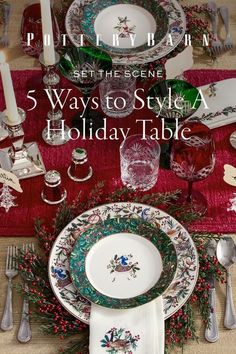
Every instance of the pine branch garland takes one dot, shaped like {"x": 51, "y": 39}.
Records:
{"x": 78, "y": 347}
{"x": 57, "y": 320}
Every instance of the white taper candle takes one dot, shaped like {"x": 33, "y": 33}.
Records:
{"x": 9, "y": 94}
{"x": 48, "y": 40}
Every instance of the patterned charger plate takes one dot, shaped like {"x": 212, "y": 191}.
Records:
{"x": 123, "y": 263}
{"x": 187, "y": 259}
{"x": 176, "y": 27}
{"x": 120, "y": 21}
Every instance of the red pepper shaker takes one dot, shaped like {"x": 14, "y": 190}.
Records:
{"x": 53, "y": 192}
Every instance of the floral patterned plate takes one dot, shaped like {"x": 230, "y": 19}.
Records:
{"x": 175, "y": 31}
{"x": 187, "y": 258}
{"x": 122, "y": 26}
{"x": 122, "y": 263}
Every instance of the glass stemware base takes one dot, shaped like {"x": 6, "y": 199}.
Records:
{"x": 89, "y": 124}
{"x": 197, "y": 203}
{"x": 56, "y": 139}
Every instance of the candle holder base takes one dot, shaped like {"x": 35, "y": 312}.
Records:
{"x": 24, "y": 164}
{"x": 51, "y": 81}
{"x": 3, "y": 131}
{"x": 56, "y": 139}
{"x": 93, "y": 122}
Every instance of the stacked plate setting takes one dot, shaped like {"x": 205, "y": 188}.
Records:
{"x": 146, "y": 30}
{"x": 123, "y": 255}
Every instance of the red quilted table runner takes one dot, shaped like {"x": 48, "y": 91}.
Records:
{"x": 104, "y": 158}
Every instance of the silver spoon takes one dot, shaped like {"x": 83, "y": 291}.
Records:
{"x": 212, "y": 332}
{"x": 233, "y": 140}
{"x": 4, "y": 40}
{"x": 226, "y": 254}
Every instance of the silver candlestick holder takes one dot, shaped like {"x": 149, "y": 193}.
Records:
{"x": 24, "y": 160}
{"x": 3, "y": 130}
{"x": 56, "y": 132}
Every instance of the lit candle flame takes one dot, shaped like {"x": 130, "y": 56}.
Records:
{"x": 2, "y": 58}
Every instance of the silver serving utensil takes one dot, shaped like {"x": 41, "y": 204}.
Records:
{"x": 11, "y": 272}
{"x": 212, "y": 332}
{"x": 226, "y": 254}
{"x": 233, "y": 140}
{"x": 216, "y": 44}
{"x": 24, "y": 333}
{"x": 224, "y": 12}
{"x": 4, "y": 40}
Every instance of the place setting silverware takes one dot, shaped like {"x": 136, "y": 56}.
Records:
{"x": 216, "y": 44}
{"x": 225, "y": 251}
{"x": 10, "y": 272}
{"x": 24, "y": 334}
{"x": 4, "y": 39}
{"x": 224, "y": 12}
{"x": 217, "y": 47}
{"x": 212, "y": 331}
{"x": 226, "y": 254}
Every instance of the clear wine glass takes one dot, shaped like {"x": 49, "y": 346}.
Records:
{"x": 193, "y": 159}
{"x": 139, "y": 162}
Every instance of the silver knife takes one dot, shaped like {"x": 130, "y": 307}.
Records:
{"x": 212, "y": 331}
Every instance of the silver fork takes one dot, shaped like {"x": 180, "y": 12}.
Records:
{"x": 11, "y": 272}
{"x": 4, "y": 40}
{"x": 224, "y": 12}
{"x": 24, "y": 333}
{"x": 216, "y": 44}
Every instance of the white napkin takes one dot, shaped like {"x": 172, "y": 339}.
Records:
{"x": 139, "y": 330}
{"x": 180, "y": 63}
{"x": 220, "y": 99}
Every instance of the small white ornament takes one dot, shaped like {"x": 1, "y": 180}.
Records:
{"x": 230, "y": 175}
{"x": 230, "y": 178}
{"x": 233, "y": 204}
{"x": 6, "y": 198}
